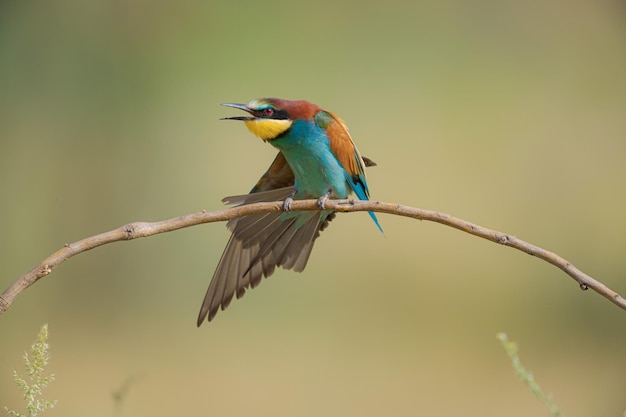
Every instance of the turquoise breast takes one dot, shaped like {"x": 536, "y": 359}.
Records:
{"x": 316, "y": 169}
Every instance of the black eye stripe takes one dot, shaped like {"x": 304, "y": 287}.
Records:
{"x": 280, "y": 115}
{"x": 276, "y": 115}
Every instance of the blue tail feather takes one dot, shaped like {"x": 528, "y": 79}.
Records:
{"x": 361, "y": 193}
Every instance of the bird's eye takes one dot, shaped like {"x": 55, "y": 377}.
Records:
{"x": 268, "y": 111}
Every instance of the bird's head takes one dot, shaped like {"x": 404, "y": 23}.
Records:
{"x": 271, "y": 117}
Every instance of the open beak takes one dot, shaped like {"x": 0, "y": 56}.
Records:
{"x": 240, "y": 107}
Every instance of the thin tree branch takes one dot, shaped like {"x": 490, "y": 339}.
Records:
{"x": 144, "y": 229}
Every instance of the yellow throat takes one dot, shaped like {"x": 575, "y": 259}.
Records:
{"x": 268, "y": 129}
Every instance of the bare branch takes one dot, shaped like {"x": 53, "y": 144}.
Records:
{"x": 144, "y": 229}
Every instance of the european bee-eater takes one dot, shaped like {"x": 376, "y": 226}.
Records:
{"x": 316, "y": 159}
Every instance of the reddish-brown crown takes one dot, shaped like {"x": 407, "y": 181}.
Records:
{"x": 297, "y": 109}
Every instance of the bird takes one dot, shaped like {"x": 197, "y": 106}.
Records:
{"x": 316, "y": 159}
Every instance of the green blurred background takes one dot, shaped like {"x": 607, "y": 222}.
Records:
{"x": 508, "y": 114}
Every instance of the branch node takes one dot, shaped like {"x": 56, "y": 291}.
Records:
{"x": 129, "y": 230}
{"x": 583, "y": 286}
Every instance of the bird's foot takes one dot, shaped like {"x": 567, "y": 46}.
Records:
{"x": 287, "y": 203}
{"x": 322, "y": 200}
{"x": 289, "y": 200}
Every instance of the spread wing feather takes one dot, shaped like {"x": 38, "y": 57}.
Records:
{"x": 259, "y": 243}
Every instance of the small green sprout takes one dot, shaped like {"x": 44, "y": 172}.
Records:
{"x": 511, "y": 350}
{"x": 34, "y": 382}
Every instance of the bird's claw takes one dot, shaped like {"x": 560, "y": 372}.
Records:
{"x": 322, "y": 200}
{"x": 287, "y": 203}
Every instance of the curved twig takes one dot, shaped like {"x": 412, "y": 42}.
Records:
{"x": 144, "y": 229}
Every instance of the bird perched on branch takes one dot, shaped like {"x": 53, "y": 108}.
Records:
{"x": 316, "y": 160}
